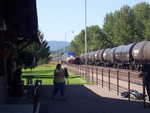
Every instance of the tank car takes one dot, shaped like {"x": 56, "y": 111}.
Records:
{"x": 70, "y": 59}
{"x": 123, "y": 55}
{"x": 108, "y": 57}
{"x": 141, "y": 54}
{"x": 96, "y": 57}
{"x": 105, "y": 56}
{"x": 99, "y": 57}
{"x": 86, "y": 58}
{"x": 92, "y": 58}
{"x": 118, "y": 54}
{"x": 82, "y": 59}
{"x": 77, "y": 61}
{"x": 89, "y": 58}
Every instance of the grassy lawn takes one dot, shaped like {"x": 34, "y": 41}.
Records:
{"x": 45, "y": 73}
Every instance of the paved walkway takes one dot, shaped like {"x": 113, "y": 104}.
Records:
{"x": 80, "y": 99}
{"x": 15, "y": 108}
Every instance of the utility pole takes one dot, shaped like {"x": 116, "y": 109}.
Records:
{"x": 85, "y": 30}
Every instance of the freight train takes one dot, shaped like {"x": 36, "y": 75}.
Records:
{"x": 133, "y": 56}
{"x": 71, "y": 58}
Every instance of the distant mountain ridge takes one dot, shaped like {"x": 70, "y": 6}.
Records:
{"x": 56, "y": 45}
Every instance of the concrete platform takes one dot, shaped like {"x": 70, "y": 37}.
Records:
{"x": 12, "y": 108}
{"x": 83, "y": 99}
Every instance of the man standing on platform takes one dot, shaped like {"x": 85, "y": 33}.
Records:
{"x": 59, "y": 81}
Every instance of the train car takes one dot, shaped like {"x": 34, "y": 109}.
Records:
{"x": 96, "y": 57}
{"x": 123, "y": 55}
{"x": 68, "y": 57}
{"x": 141, "y": 54}
{"x": 86, "y": 58}
{"x": 82, "y": 59}
{"x": 77, "y": 60}
{"x": 105, "y": 57}
{"x": 111, "y": 55}
{"x": 89, "y": 58}
{"x": 118, "y": 54}
{"x": 92, "y": 58}
{"x": 99, "y": 57}
{"x": 108, "y": 56}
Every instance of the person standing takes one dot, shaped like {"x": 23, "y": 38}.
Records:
{"x": 59, "y": 81}
{"x": 146, "y": 74}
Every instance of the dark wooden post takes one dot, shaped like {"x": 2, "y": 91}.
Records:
{"x": 129, "y": 85}
{"x": 102, "y": 78}
{"x": 109, "y": 78}
{"x": 85, "y": 69}
{"x": 97, "y": 76}
{"x": 117, "y": 82}
{"x": 84, "y": 72}
{"x": 92, "y": 74}
{"x": 89, "y": 73}
{"x": 80, "y": 70}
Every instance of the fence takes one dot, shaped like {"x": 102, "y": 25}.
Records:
{"x": 116, "y": 80}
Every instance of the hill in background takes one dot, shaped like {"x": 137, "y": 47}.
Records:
{"x": 57, "y": 45}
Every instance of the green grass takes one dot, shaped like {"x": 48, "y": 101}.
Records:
{"x": 45, "y": 74}
{"x": 41, "y": 70}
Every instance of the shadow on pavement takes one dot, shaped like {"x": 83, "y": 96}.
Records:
{"x": 82, "y": 100}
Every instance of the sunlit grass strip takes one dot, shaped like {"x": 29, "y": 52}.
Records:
{"x": 41, "y": 70}
{"x": 45, "y": 73}
{"x": 72, "y": 81}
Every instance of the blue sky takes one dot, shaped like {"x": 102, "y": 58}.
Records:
{"x": 60, "y": 17}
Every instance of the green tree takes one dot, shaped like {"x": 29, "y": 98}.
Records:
{"x": 142, "y": 20}
{"x": 124, "y": 26}
{"x": 119, "y": 26}
{"x": 34, "y": 54}
{"x": 96, "y": 39}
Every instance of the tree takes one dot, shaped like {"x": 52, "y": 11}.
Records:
{"x": 124, "y": 26}
{"x": 34, "y": 54}
{"x": 142, "y": 21}
{"x": 96, "y": 39}
{"x": 128, "y": 25}
{"x": 120, "y": 26}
